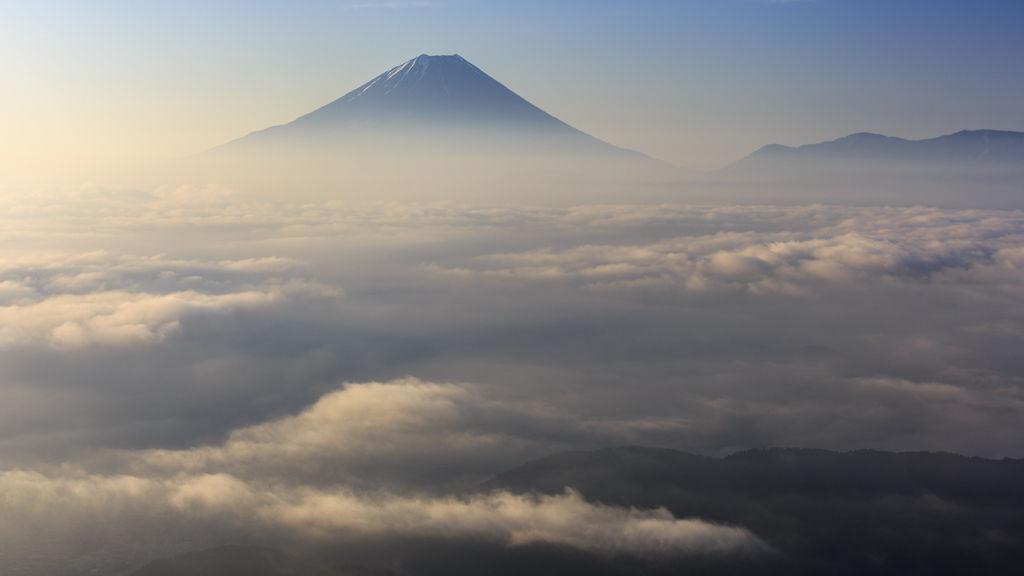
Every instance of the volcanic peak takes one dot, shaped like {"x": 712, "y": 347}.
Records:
{"x": 433, "y": 89}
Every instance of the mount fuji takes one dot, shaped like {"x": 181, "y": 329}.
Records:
{"x": 435, "y": 128}
{"x": 427, "y": 102}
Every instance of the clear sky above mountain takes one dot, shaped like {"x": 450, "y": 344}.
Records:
{"x": 697, "y": 83}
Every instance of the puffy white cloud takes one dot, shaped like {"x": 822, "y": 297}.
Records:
{"x": 565, "y": 520}
{"x": 29, "y": 500}
{"x": 393, "y": 433}
{"x": 71, "y": 300}
{"x": 866, "y": 247}
{"x": 114, "y": 318}
{"x": 360, "y": 427}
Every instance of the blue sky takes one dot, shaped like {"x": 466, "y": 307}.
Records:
{"x": 698, "y": 83}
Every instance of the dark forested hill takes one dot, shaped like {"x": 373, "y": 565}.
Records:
{"x": 861, "y": 512}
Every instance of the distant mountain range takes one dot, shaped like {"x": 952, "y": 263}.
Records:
{"x": 439, "y": 128}
{"x": 968, "y": 169}
{"x": 860, "y": 512}
{"x": 965, "y": 147}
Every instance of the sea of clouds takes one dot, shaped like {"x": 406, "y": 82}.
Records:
{"x": 193, "y": 366}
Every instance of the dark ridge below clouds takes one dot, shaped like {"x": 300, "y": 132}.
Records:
{"x": 842, "y": 513}
{"x": 768, "y": 472}
{"x": 817, "y": 511}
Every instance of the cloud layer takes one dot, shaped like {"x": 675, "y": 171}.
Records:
{"x": 156, "y": 346}
{"x": 863, "y": 248}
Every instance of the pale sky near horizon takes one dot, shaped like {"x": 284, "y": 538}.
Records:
{"x": 698, "y": 83}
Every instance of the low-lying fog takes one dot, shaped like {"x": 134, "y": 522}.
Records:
{"x": 187, "y": 366}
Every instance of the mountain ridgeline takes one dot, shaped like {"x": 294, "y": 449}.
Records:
{"x": 978, "y": 147}
{"x": 968, "y": 169}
